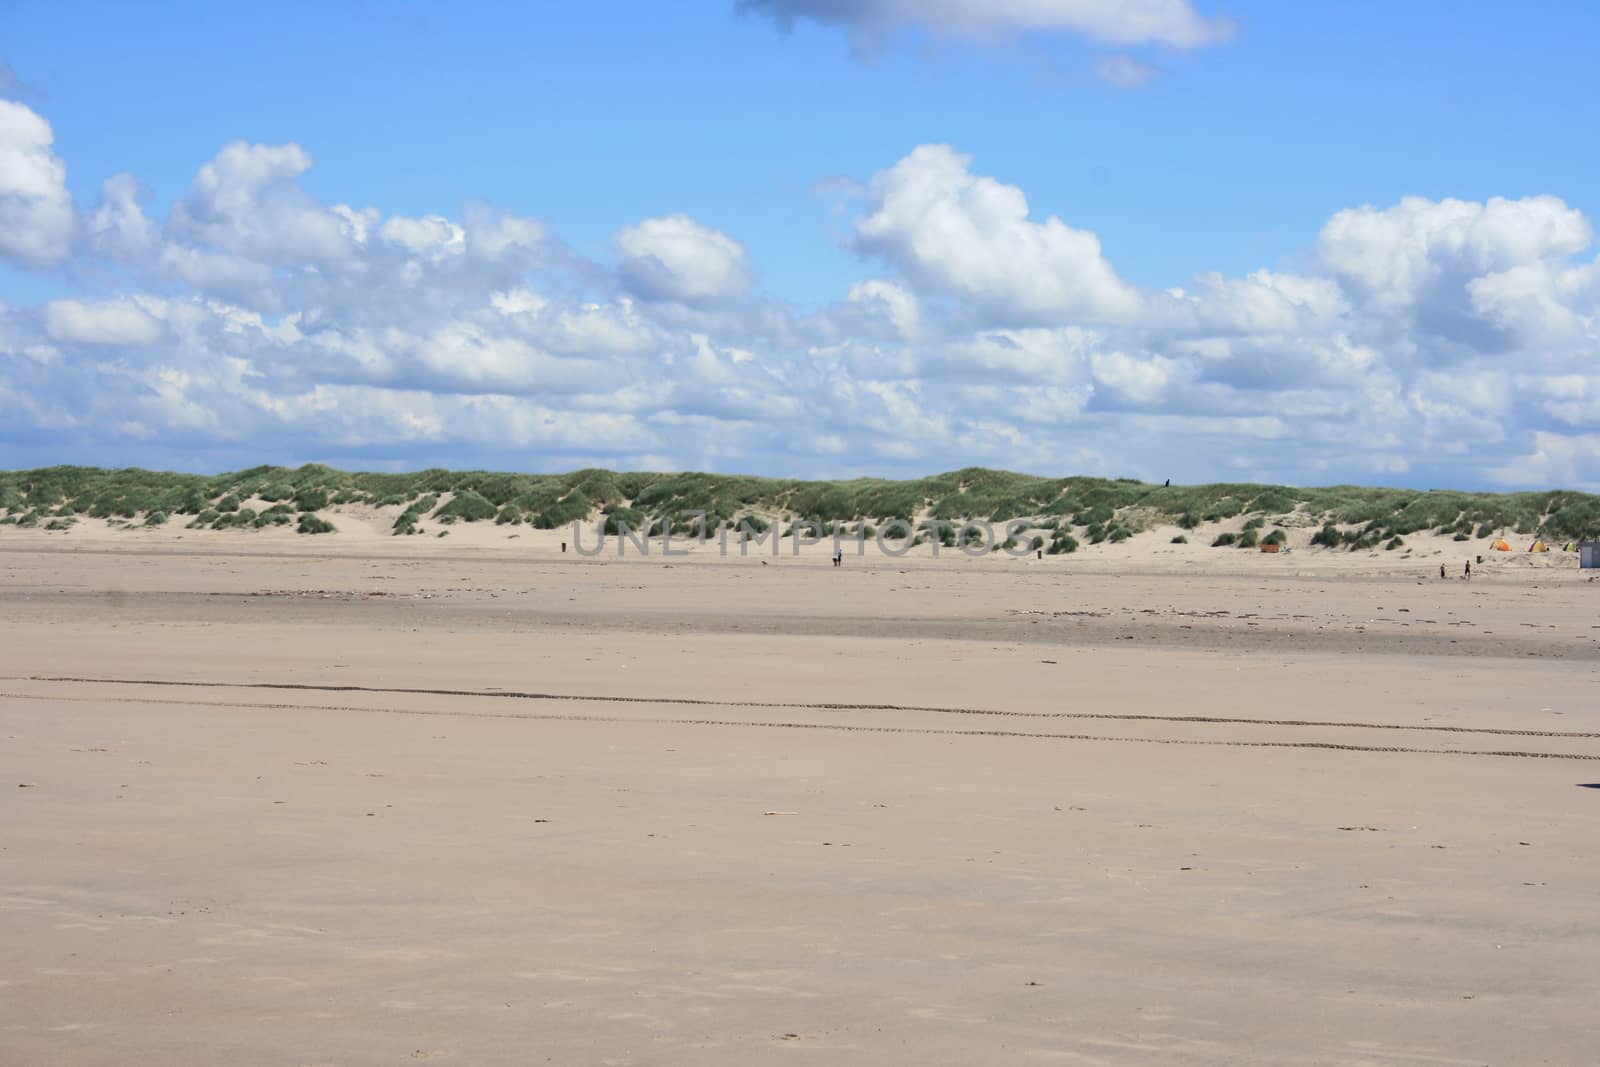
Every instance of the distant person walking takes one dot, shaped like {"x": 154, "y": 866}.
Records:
{"x": 1441, "y": 570}
{"x": 1469, "y": 570}
{"x": 838, "y": 557}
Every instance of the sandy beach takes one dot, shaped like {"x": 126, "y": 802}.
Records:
{"x": 367, "y": 800}
{"x": 842, "y": 533}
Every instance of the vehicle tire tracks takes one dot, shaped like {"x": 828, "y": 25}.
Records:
{"x": 1333, "y": 746}
{"x": 509, "y": 694}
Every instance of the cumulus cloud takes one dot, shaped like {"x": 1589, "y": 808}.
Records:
{"x": 970, "y": 236}
{"x": 105, "y": 322}
{"x": 246, "y": 202}
{"x": 1262, "y": 302}
{"x": 1056, "y": 356}
{"x": 1135, "y": 380}
{"x": 498, "y": 236}
{"x": 676, "y": 258}
{"x": 431, "y": 237}
{"x": 1396, "y": 254}
{"x": 518, "y": 301}
{"x": 466, "y": 357}
{"x": 893, "y": 302}
{"x": 1424, "y": 339}
{"x": 1447, "y": 272}
{"x": 594, "y": 328}
{"x": 36, "y": 215}
{"x": 217, "y": 272}
{"x": 1174, "y": 23}
{"x": 118, "y": 227}
{"x": 1556, "y": 460}
{"x": 1570, "y": 400}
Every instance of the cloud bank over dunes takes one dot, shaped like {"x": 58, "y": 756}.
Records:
{"x": 1446, "y": 339}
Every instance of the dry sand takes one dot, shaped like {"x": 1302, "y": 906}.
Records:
{"x": 364, "y": 800}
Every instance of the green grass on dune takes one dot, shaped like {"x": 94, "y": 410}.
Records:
{"x": 1106, "y": 509}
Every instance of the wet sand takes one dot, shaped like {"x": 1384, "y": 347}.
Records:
{"x": 273, "y": 802}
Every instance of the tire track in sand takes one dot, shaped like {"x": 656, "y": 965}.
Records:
{"x": 509, "y": 694}
{"x": 785, "y": 725}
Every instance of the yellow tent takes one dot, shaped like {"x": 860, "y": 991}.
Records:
{"x": 1569, "y": 547}
{"x": 1501, "y": 546}
{"x": 1538, "y": 546}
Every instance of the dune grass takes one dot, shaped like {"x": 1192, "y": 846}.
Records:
{"x": 1098, "y": 509}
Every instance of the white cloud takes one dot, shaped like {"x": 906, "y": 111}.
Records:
{"x": 676, "y": 258}
{"x": 1138, "y": 380}
{"x": 1547, "y": 305}
{"x": 970, "y": 236}
{"x": 1427, "y": 338}
{"x": 1569, "y": 400}
{"x": 1038, "y": 407}
{"x": 593, "y": 329}
{"x": 1572, "y": 462}
{"x": 431, "y": 237}
{"x": 36, "y": 216}
{"x": 895, "y": 302}
{"x": 497, "y": 236}
{"x": 1047, "y": 355}
{"x": 118, "y": 227}
{"x": 1399, "y": 256}
{"x": 1263, "y": 303}
{"x": 108, "y": 322}
{"x": 213, "y": 271}
{"x": 357, "y": 225}
{"x": 1174, "y": 23}
{"x": 246, "y": 202}
{"x": 894, "y": 411}
{"x": 518, "y": 301}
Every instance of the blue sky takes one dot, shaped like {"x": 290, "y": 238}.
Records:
{"x": 824, "y": 263}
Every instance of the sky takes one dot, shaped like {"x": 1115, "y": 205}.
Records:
{"x": 1309, "y": 243}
